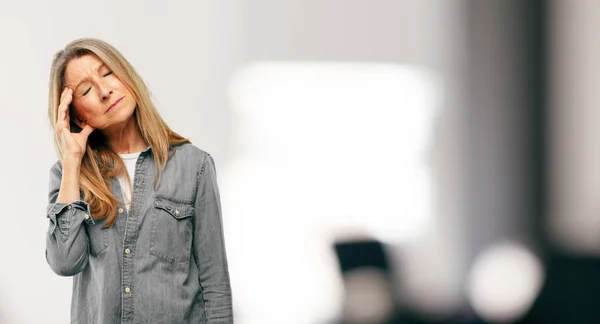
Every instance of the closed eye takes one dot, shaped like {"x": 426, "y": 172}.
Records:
{"x": 88, "y": 90}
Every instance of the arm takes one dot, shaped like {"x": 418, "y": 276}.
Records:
{"x": 66, "y": 241}
{"x": 209, "y": 247}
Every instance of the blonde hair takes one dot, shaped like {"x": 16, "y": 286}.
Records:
{"x": 100, "y": 162}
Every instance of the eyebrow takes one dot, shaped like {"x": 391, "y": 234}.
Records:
{"x": 87, "y": 77}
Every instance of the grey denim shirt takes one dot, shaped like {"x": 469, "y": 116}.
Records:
{"x": 165, "y": 262}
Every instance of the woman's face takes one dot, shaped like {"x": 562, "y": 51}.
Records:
{"x": 100, "y": 99}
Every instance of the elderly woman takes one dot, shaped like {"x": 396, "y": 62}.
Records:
{"x": 134, "y": 209}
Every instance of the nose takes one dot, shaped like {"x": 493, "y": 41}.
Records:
{"x": 106, "y": 94}
{"x": 105, "y": 91}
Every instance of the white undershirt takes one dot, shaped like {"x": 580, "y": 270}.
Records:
{"x": 130, "y": 160}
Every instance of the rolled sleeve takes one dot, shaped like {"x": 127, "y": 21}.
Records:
{"x": 61, "y": 215}
{"x": 66, "y": 241}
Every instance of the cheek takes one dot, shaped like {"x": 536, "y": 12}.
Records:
{"x": 122, "y": 88}
{"x": 86, "y": 108}
{"x": 117, "y": 84}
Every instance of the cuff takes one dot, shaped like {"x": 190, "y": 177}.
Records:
{"x": 55, "y": 209}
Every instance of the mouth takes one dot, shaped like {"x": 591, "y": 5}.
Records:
{"x": 114, "y": 104}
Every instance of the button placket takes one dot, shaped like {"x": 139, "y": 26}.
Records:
{"x": 129, "y": 240}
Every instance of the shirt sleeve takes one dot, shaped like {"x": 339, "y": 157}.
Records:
{"x": 66, "y": 240}
{"x": 209, "y": 247}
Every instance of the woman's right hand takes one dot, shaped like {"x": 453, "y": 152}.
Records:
{"x": 72, "y": 145}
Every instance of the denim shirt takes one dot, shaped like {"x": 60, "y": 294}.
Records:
{"x": 165, "y": 262}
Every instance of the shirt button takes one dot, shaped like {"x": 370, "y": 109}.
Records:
{"x": 127, "y": 290}
{"x": 86, "y": 216}
{"x": 127, "y": 251}
{"x": 176, "y": 211}
{"x": 69, "y": 207}
{"x": 120, "y": 210}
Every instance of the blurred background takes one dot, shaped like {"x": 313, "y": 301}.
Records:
{"x": 381, "y": 161}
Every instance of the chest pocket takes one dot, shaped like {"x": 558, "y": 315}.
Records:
{"x": 172, "y": 231}
{"x": 98, "y": 237}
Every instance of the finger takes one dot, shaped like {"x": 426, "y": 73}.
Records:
{"x": 68, "y": 97}
{"x": 62, "y": 105}
{"x": 68, "y": 115}
{"x": 63, "y": 137}
{"x": 63, "y": 96}
{"x": 61, "y": 113}
{"x": 63, "y": 93}
{"x": 60, "y": 124}
{"x": 86, "y": 131}
{"x": 63, "y": 120}
{"x": 60, "y": 128}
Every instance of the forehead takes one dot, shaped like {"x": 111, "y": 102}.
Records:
{"x": 81, "y": 67}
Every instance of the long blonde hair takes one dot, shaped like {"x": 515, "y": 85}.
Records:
{"x": 100, "y": 162}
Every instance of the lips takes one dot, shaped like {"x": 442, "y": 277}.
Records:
{"x": 114, "y": 104}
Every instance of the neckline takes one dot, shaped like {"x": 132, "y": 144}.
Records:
{"x": 129, "y": 156}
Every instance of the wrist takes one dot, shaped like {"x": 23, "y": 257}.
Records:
{"x": 71, "y": 162}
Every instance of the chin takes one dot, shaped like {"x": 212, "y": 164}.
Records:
{"x": 126, "y": 115}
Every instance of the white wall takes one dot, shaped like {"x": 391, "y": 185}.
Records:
{"x": 186, "y": 51}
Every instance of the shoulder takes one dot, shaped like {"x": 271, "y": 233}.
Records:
{"x": 191, "y": 154}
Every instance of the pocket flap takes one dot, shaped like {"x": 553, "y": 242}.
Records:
{"x": 177, "y": 209}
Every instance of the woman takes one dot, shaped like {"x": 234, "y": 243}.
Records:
{"x": 134, "y": 208}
